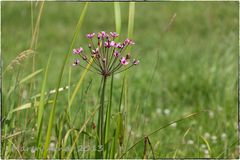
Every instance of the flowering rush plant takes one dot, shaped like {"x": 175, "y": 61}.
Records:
{"x": 108, "y": 55}
{"x": 106, "y": 58}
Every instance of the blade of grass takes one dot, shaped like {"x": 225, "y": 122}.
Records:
{"x": 12, "y": 135}
{"x": 131, "y": 19}
{"x": 34, "y": 41}
{"x": 206, "y": 142}
{"x": 150, "y": 144}
{"x": 26, "y": 106}
{"x": 49, "y": 130}
{"x": 130, "y": 35}
{"x": 30, "y": 76}
{"x": 117, "y": 13}
{"x": 41, "y": 107}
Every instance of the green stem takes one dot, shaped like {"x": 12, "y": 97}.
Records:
{"x": 107, "y": 121}
{"x": 99, "y": 153}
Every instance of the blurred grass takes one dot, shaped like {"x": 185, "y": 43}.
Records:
{"x": 197, "y": 66}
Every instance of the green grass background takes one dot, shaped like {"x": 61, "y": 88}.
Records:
{"x": 189, "y": 68}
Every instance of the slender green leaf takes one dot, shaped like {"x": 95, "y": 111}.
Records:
{"x": 30, "y": 76}
{"x": 51, "y": 118}
{"x": 41, "y": 106}
{"x": 206, "y": 142}
{"x": 131, "y": 19}
{"x": 117, "y": 13}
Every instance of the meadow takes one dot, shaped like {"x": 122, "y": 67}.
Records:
{"x": 180, "y": 101}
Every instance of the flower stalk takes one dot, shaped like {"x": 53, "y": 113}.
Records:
{"x": 108, "y": 57}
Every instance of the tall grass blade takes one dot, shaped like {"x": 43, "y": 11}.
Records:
{"x": 117, "y": 13}
{"x": 131, "y": 19}
{"x": 30, "y": 76}
{"x": 206, "y": 142}
{"x": 130, "y": 35}
{"x": 112, "y": 150}
{"x": 41, "y": 107}
{"x": 34, "y": 40}
{"x": 49, "y": 130}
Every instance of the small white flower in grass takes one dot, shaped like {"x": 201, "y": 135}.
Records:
{"x": 51, "y": 146}
{"x": 129, "y": 127}
{"x": 174, "y": 125}
{"x": 211, "y": 114}
{"x": 117, "y": 76}
{"x": 146, "y": 119}
{"x": 207, "y": 156}
{"x": 223, "y": 136}
{"x": 138, "y": 135}
{"x": 132, "y": 133}
{"x": 166, "y": 111}
{"x": 24, "y": 94}
{"x": 158, "y": 110}
{"x": 206, "y": 151}
{"x": 33, "y": 150}
{"x": 214, "y": 139}
{"x": 206, "y": 135}
{"x": 219, "y": 108}
{"x": 190, "y": 142}
{"x": 203, "y": 146}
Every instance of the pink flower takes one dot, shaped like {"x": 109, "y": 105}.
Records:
{"x": 128, "y": 41}
{"x": 119, "y": 45}
{"x": 124, "y": 61}
{"x": 90, "y": 35}
{"x": 116, "y": 54}
{"x": 102, "y": 34}
{"x": 76, "y": 62}
{"x": 78, "y": 50}
{"x": 107, "y": 44}
{"x": 112, "y": 44}
{"x": 135, "y": 62}
{"x": 95, "y": 51}
{"x": 114, "y": 34}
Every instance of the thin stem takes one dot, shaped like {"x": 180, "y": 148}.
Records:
{"x": 101, "y": 119}
{"x": 124, "y": 69}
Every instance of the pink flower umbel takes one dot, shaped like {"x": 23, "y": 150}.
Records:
{"x": 106, "y": 54}
{"x": 104, "y": 59}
